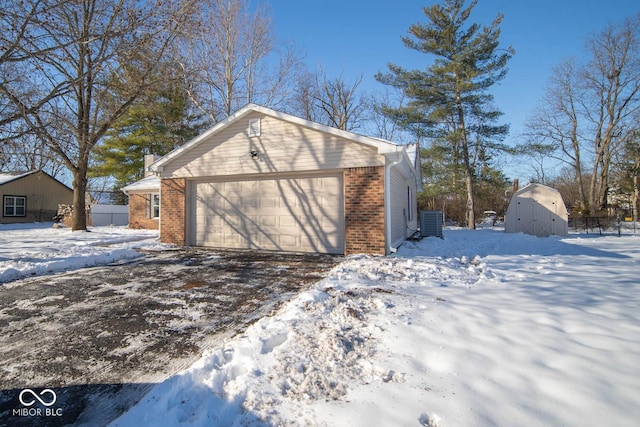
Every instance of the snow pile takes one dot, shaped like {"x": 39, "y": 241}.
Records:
{"x": 36, "y": 249}
{"x": 481, "y": 328}
{"x": 313, "y": 350}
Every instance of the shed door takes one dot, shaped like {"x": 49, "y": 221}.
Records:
{"x": 289, "y": 214}
{"x": 535, "y": 217}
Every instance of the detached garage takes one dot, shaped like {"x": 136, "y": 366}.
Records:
{"x": 537, "y": 210}
{"x": 266, "y": 180}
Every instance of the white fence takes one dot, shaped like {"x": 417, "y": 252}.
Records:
{"x": 109, "y": 215}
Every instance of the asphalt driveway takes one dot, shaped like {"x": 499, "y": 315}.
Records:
{"x": 99, "y": 338}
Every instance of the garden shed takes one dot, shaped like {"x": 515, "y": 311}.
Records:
{"x": 537, "y": 210}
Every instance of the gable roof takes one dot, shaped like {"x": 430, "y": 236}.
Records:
{"x": 382, "y": 145}
{"x": 7, "y": 177}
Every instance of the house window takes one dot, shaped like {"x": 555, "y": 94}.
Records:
{"x": 409, "y": 204}
{"x": 155, "y": 206}
{"x": 15, "y": 206}
{"x": 254, "y": 127}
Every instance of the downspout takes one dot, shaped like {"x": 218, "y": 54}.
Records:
{"x": 387, "y": 202}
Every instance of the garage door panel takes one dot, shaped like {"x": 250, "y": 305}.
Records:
{"x": 330, "y": 226}
{"x": 269, "y": 221}
{"x": 288, "y": 222}
{"x": 211, "y": 221}
{"x": 288, "y": 203}
{"x": 230, "y": 240}
{"x": 288, "y": 240}
{"x": 252, "y": 204}
{"x": 267, "y": 202}
{"x": 297, "y": 214}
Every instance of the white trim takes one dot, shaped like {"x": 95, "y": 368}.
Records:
{"x": 14, "y": 205}
{"x": 390, "y": 247}
{"x": 255, "y": 128}
{"x": 152, "y": 205}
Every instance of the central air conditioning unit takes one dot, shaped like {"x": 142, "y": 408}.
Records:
{"x": 431, "y": 224}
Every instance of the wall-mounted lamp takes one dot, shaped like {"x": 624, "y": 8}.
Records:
{"x": 254, "y": 154}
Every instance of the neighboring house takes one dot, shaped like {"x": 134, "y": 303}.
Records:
{"x": 31, "y": 196}
{"x": 538, "y": 210}
{"x": 144, "y": 203}
{"x": 262, "y": 179}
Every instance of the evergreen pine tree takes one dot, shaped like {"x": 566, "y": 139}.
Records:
{"x": 158, "y": 122}
{"x": 449, "y": 100}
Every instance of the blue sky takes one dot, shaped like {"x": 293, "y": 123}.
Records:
{"x": 357, "y": 37}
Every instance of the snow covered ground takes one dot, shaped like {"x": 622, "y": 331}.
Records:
{"x": 36, "y": 249}
{"x": 482, "y": 328}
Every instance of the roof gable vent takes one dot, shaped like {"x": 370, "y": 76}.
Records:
{"x": 254, "y": 127}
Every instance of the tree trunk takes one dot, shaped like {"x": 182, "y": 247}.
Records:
{"x": 471, "y": 216}
{"x": 577, "y": 164}
{"x": 581, "y": 194}
{"x": 635, "y": 197}
{"x": 595, "y": 174}
{"x": 468, "y": 172}
{"x": 79, "y": 218}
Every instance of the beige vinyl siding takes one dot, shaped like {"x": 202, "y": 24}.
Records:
{"x": 282, "y": 147}
{"x": 397, "y": 207}
{"x": 43, "y": 195}
{"x": 402, "y": 222}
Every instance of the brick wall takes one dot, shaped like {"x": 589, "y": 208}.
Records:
{"x": 173, "y": 206}
{"x": 140, "y": 212}
{"x": 364, "y": 210}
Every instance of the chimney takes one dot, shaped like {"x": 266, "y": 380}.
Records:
{"x": 149, "y": 159}
{"x": 516, "y": 184}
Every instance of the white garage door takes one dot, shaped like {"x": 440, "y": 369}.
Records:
{"x": 293, "y": 214}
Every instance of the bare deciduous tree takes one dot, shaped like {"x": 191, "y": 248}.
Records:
{"x": 589, "y": 109}
{"x": 339, "y": 101}
{"x": 302, "y": 103}
{"x": 554, "y": 127}
{"x": 20, "y": 26}
{"x": 613, "y": 78}
{"x": 28, "y": 154}
{"x": 382, "y": 125}
{"x": 330, "y": 101}
{"x": 67, "y": 96}
{"x": 231, "y": 58}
